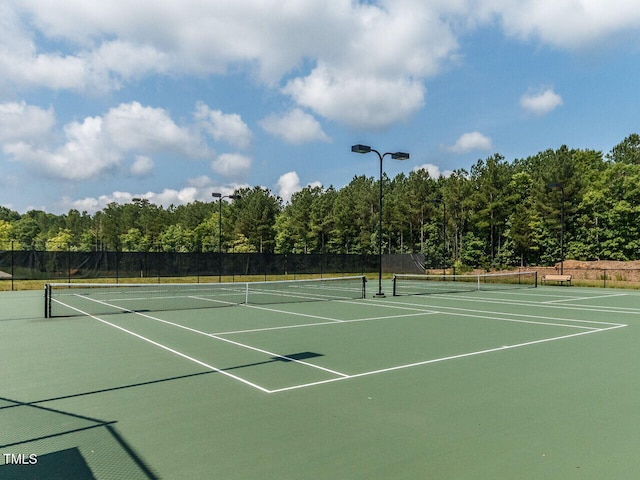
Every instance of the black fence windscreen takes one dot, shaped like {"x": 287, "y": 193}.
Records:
{"x": 70, "y": 265}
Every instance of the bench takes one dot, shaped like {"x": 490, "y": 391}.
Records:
{"x": 561, "y": 279}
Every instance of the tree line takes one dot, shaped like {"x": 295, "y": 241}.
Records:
{"x": 577, "y": 203}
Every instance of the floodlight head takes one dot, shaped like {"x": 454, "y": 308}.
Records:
{"x": 360, "y": 149}
{"x": 216, "y": 195}
{"x": 400, "y": 156}
{"x": 235, "y": 197}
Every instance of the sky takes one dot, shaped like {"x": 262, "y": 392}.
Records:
{"x": 170, "y": 101}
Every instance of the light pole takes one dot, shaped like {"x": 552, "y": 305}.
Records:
{"x": 559, "y": 186}
{"x": 219, "y": 196}
{"x": 395, "y": 156}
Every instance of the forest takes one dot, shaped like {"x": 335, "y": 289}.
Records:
{"x": 572, "y": 203}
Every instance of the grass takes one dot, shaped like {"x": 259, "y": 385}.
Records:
{"x": 8, "y": 285}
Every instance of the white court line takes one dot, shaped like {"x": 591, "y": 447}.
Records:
{"x": 586, "y": 298}
{"x": 381, "y": 303}
{"x": 532, "y": 304}
{"x": 257, "y": 307}
{"x": 304, "y": 325}
{"x": 283, "y": 357}
{"x": 596, "y": 322}
{"x": 169, "y": 349}
{"x": 200, "y": 332}
{"x": 343, "y": 376}
{"x": 442, "y": 359}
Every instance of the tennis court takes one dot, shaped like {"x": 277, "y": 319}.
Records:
{"x": 311, "y": 381}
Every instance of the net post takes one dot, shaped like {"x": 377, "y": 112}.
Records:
{"x": 364, "y": 287}
{"x": 47, "y": 301}
{"x": 395, "y": 278}
{"x": 246, "y": 293}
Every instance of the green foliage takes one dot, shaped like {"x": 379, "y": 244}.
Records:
{"x": 472, "y": 252}
{"x": 206, "y": 235}
{"x": 27, "y": 233}
{"x": 497, "y": 214}
{"x": 176, "y": 238}
{"x": 302, "y": 223}
{"x": 254, "y": 217}
{"x": 5, "y": 231}
{"x": 627, "y": 151}
{"x": 8, "y": 215}
{"x": 241, "y": 244}
{"x": 60, "y": 242}
{"x": 134, "y": 241}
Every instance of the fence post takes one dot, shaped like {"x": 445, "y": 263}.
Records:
{"x": 12, "y": 266}
{"x": 69, "y": 263}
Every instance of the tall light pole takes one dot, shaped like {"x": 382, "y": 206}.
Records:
{"x": 219, "y": 196}
{"x": 559, "y": 186}
{"x": 395, "y": 156}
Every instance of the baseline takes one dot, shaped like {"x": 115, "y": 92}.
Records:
{"x": 551, "y": 319}
{"x": 594, "y": 308}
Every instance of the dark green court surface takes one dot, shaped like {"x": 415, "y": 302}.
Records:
{"x": 536, "y": 383}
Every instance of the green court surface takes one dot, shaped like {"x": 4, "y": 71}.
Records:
{"x": 532, "y": 383}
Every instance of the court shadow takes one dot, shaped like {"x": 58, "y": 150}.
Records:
{"x": 292, "y": 357}
{"x": 65, "y": 443}
{"x": 60, "y": 465}
{"x": 54, "y": 444}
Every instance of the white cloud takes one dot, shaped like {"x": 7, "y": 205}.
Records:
{"x": 93, "y": 204}
{"x": 541, "y": 103}
{"x": 379, "y": 76}
{"x": 82, "y": 157}
{"x": 199, "y": 188}
{"x": 564, "y": 23}
{"x": 359, "y": 101}
{"x": 121, "y": 59}
{"x": 231, "y": 164}
{"x": 203, "y": 37}
{"x": 20, "y": 122}
{"x": 98, "y": 145}
{"x": 133, "y": 127}
{"x": 142, "y": 166}
{"x": 294, "y": 127}
{"x": 372, "y": 56}
{"x": 224, "y": 127}
{"x": 205, "y": 184}
{"x": 289, "y": 183}
{"x": 433, "y": 170}
{"x": 471, "y": 141}
{"x": 375, "y": 80}
{"x": 98, "y": 71}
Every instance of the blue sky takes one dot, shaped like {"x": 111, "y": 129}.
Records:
{"x": 170, "y": 101}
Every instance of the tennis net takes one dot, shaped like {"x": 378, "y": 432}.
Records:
{"x": 71, "y": 299}
{"x": 408, "y": 284}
